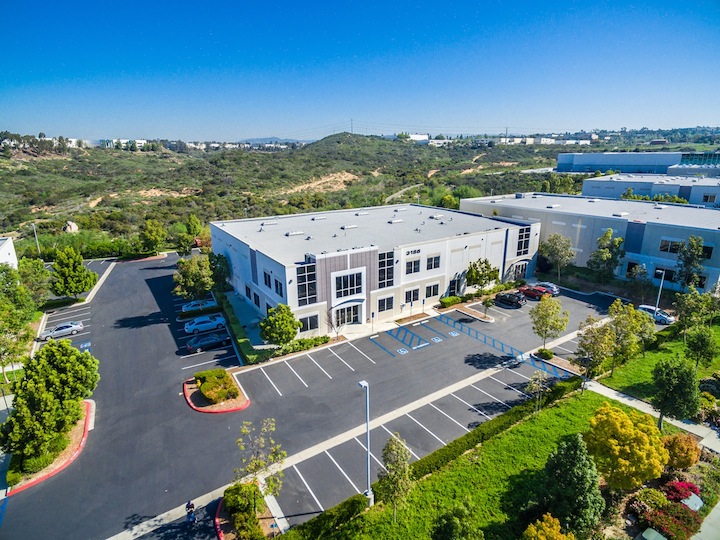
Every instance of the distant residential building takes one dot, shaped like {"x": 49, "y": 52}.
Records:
{"x": 7, "y": 252}
{"x": 659, "y": 141}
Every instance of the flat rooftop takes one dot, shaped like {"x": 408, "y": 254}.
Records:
{"x": 681, "y": 215}
{"x": 659, "y": 179}
{"x": 289, "y": 238}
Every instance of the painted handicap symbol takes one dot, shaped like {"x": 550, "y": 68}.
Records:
{"x": 436, "y": 339}
{"x": 402, "y": 351}
{"x": 454, "y": 333}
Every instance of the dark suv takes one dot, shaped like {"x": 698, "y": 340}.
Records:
{"x": 511, "y": 300}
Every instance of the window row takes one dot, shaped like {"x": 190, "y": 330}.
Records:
{"x": 413, "y": 267}
{"x": 673, "y": 246}
{"x": 268, "y": 283}
{"x": 348, "y": 285}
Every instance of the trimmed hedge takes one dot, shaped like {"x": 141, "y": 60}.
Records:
{"x": 216, "y": 385}
{"x": 238, "y": 501}
{"x": 247, "y": 351}
{"x": 333, "y": 518}
{"x": 302, "y": 344}
{"x": 489, "y": 429}
{"x": 448, "y": 301}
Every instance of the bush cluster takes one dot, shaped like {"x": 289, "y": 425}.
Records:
{"x": 674, "y": 520}
{"x": 302, "y": 344}
{"x": 216, "y": 385}
{"x": 545, "y": 354}
{"x": 647, "y": 500}
{"x": 238, "y": 500}
{"x": 247, "y": 351}
{"x": 487, "y": 430}
{"x": 448, "y": 301}
{"x": 678, "y": 490}
{"x": 683, "y": 449}
{"x": 333, "y": 518}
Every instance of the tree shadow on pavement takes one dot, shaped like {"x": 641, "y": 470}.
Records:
{"x": 482, "y": 360}
{"x": 142, "y": 321}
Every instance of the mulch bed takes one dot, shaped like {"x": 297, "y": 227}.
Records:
{"x": 201, "y": 402}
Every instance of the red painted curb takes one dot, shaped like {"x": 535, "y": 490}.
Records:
{"x": 88, "y": 407}
{"x": 218, "y": 530}
{"x": 197, "y": 409}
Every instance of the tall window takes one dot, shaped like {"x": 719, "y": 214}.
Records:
{"x": 308, "y": 323}
{"x": 412, "y": 267}
{"x": 433, "y": 262}
{"x": 385, "y": 304}
{"x": 278, "y": 288}
{"x": 523, "y": 246}
{"x": 707, "y": 252}
{"x": 348, "y": 285}
{"x": 256, "y": 299}
{"x": 454, "y": 286}
{"x": 385, "y": 264}
{"x": 413, "y": 295}
{"x": 708, "y": 198}
{"x": 347, "y": 315}
{"x": 669, "y": 246}
{"x": 432, "y": 290}
{"x": 247, "y": 292}
{"x": 268, "y": 282}
{"x": 307, "y": 285}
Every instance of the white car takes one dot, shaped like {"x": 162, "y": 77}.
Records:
{"x": 204, "y": 323}
{"x": 660, "y": 316}
{"x": 197, "y": 305}
{"x": 64, "y": 329}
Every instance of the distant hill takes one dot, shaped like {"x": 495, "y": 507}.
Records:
{"x": 271, "y": 140}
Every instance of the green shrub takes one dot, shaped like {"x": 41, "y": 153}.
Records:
{"x": 14, "y": 472}
{"x": 448, "y": 301}
{"x": 247, "y": 351}
{"x": 216, "y": 385}
{"x": 58, "y": 444}
{"x": 37, "y": 464}
{"x": 647, "y": 500}
{"x": 333, "y": 518}
{"x": 303, "y": 344}
{"x": 238, "y": 501}
{"x": 675, "y": 521}
{"x": 545, "y": 354}
{"x": 467, "y": 297}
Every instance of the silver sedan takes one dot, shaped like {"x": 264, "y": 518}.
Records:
{"x": 63, "y": 329}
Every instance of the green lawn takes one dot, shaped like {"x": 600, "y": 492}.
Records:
{"x": 635, "y": 378}
{"x": 497, "y": 480}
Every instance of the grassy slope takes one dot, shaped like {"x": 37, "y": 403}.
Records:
{"x": 498, "y": 479}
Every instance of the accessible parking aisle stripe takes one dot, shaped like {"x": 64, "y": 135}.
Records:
{"x": 471, "y": 406}
{"x": 343, "y": 361}
{"x": 358, "y": 350}
{"x": 273, "y": 384}
{"x": 308, "y": 488}
{"x": 426, "y": 429}
{"x": 343, "y": 472}
{"x": 449, "y": 417}
{"x": 295, "y": 372}
{"x": 371, "y": 338}
{"x": 405, "y": 445}
{"x": 319, "y": 366}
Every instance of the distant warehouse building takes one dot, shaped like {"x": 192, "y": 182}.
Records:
{"x": 356, "y": 266}
{"x": 703, "y": 191}
{"x": 652, "y": 232}
{"x": 684, "y": 163}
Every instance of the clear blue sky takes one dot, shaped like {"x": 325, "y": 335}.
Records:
{"x": 227, "y": 70}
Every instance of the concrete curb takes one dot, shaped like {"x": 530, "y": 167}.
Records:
{"x": 216, "y": 521}
{"x": 197, "y": 409}
{"x": 89, "y": 409}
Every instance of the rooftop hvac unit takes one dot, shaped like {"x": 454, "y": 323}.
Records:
{"x": 266, "y": 223}
{"x": 294, "y": 233}
{"x": 400, "y": 210}
{"x": 397, "y": 221}
{"x": 553, "y": 206}
{"x": 519, "y": 195}
{"x": 346, "y": 227}
{"x": 620, "y": 214}
{"x": 436, "y": 216}
{"x": 362, "y": 213}
{"x": 317, "y": 218}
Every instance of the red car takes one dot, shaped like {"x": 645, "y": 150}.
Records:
{"x": 536, "y": 293}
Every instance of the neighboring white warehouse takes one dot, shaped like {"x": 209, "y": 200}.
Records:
{"x": 703, "y": 191}
{"x": 365, "y": 265}
{"x": 7, "y": 252}
{"x": 680, "y": 163}
{"x": 652, "y": 232}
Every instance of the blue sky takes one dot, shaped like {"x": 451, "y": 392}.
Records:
{"x": 229, "y": 70}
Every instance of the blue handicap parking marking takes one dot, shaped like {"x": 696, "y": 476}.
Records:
{"x": 402, "y": 351}
{"x": 453, "y": 333}
{"x": 84, "y": 345}
{"x": 436, "y": 339}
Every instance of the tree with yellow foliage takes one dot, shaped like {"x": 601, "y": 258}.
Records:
{"x": 547, "y": 528}
{"x": 627, "y": 448}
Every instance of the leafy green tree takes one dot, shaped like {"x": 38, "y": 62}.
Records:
{"x": 70, "y": 277}
{"x": 606, "y": 258}
{"x": 546, "y": 528}
{"x": 262, "y": 458}
{"x": 481, "y": 273}
{"x": 13, "y": 290}
{"x": 676, "y": 390}
{"x": 684, "y": 450}
{"x": 220, "y": 267}
{"x": 458, "y": 523}
{"x": 701, "y": 346}
{"x": 572, "y": 486}
{"x": 152, "y": 235}
{"x": 596, "y": 342}
{"x": 184, "y": 244}
{"x": 645, "y": 329}
{"x": 487, "y": 303}
{"x": 691, "y": 308}
{"x": 36, "y": 278}
{"x": 69, "y": 374}
{"x": 689, "y": 261}
{"x": 395, "y": 480}
{"x": 280, "y": 326}
{"x": 640, "y": 281}
{"x": 557, "y": 249}
{"x": 193, "y": 279}
{"x": 15, "y": 335}
{"x": 625, "y": 324}
{"x": 548, "y": 319}
{"x": 626, "y": 447}
{"x": 194, "y": 225}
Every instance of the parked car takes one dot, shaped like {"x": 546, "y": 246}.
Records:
{"x": 551, "y": 287}
{"x": 207, "y": 342}
{"x": 509, "y": 299}
{"x": 64, "y": 329}
{"x": 534, "y": 292}
{"x": 197, "y": 305}
{"x": 205, "y": 322}
{"x": 660, "y": 316}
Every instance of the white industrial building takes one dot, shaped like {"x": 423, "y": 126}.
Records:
{"x": 366, "y": 265}
{"x": 704, "y": 191}
{"x": 652, "y": 232}
{"x": 676, "y": 163}
{"x": 7, "y": 252}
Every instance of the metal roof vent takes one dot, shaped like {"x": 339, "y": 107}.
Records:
{"x": 620, "y": 214}
{"x": 346, "y": 227}
{"x": 553, "y": 206}
{"x": 593, "y": 200}
{"x": 436, "y": 216}
{"x": 309, "y": 238}
{"x": 659, "y": 206}
{"x": 400, "y": 210}
{"x": 395, "y": 221}
{"x": 361, "y": 213}
{"x": 294, "y": 233}
{"x": 266, "y": 223}
{"x": 317, "y": 218}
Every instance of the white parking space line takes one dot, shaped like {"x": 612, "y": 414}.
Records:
{"x": 510, "y": 387}
{"x": 501, "y": 312}
{"x": 191, "y": 355}
{"x": 358, "y": 350}
{"x": 319, "y": 366}
{"x": 406, "y": 446}
{"x": 371, "y": 454}
{"x": 308, "y": 488}
{"x": 343, "y": 361}
{"x": 295, "y": 372}
{"x": 520, "y": 374}
{"x": 471, "y": 406}
{"x": 426, "y": 429}
{"x": 201, "y": 364}
{"x": 343, "y": 472}
{"x": 491, "y": 396}
{"x": 58, "y": 320}
{"x": 449, "y": 417}
{"x": 563, "y": 348}
{"x": 273, "y": 384}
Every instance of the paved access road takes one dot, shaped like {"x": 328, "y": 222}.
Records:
{"x": 149, "y": 452}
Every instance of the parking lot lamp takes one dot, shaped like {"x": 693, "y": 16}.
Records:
{"x": 662, "y": 280}
{"x": 36, "y": 240}
{"x": 368, "y": 493}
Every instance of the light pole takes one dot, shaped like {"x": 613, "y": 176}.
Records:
{"x": 662, "y": 280}
{"x": 36, "y": 240}
{"x": 369, "y": 494}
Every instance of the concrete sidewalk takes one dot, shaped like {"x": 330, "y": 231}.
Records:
{"x": 710, "y": 529}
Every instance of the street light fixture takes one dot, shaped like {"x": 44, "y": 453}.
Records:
{"x": 369, "y": 494}
{"x": 36, "y": 240}
{"x": 662, "y": 280}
